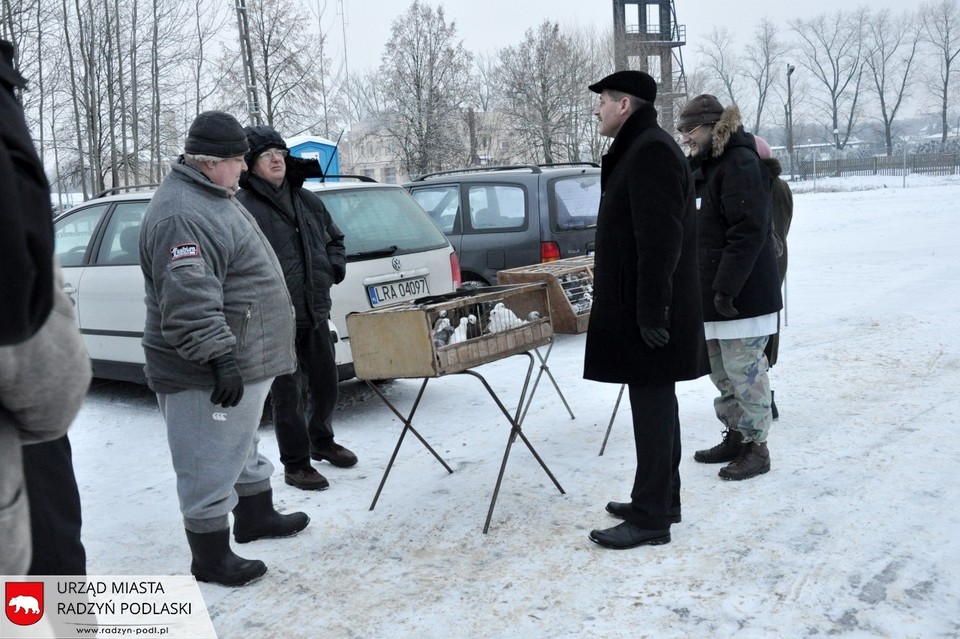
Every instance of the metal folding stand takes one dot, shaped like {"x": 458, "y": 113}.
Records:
{"x": 515, "y": 431}
{"x": 536, "y": 382}
{"x": 613, "y": 416}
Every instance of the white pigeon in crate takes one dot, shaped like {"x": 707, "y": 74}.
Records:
{"x": 441, "y": 336}
{"x": 502, "y": 319}
{"x": 473, "y": 327}
{"x": 460, "y": 332}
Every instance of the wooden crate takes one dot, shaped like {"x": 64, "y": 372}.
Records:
{"x": 401, "y": 340}
{"x": 570, "y": 288}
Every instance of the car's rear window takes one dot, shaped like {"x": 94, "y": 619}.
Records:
{"x": 374, "y": 219}
{"x": 576, "y": 200}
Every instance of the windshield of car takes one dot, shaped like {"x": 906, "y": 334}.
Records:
{"x": 576, "y": 200}
{"x": 379, "y": 220}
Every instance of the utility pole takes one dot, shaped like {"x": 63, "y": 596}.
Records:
{"x": 246, "y": 51}
{"x": 790, "y": 70}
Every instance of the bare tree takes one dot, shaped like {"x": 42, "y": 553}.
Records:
{"x": 722, "y": 64}
{"x": 483, "y": 83}
{"x": 941, "y": 23}
{"x": 892, "y": 44}
{"x": 831, "y": 47}
{"x": 287, "y": 68}
{"x": 537, "y": 80}
{"x": 763, "y": 56}
{"x": 209, "y": 24}
{"x": 594, "y": 51}
{"x": 333, "y": 79}
{"x": 425, "y": 70}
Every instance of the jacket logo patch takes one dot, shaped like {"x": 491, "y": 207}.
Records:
{"x": 182, "y": 251}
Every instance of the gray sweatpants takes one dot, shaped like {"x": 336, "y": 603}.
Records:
{"x": 738, "y": 368}
{"x": 214, "y": 451}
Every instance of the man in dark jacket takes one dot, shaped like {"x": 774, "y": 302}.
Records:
{"x": 310, "y": 249}
{"x": 646, "y": 328}
{"x": 739, "y": 280}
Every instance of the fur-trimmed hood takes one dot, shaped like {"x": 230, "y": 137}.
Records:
{"x": 730, "y": 121}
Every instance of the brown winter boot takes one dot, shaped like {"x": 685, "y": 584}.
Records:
{"x": 753, "y": 461}
{"x": 727, "y": 450}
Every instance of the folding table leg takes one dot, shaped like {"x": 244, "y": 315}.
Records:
{"x": 515, "y": 431}
{"x": 407, "y": 425}
{"x": 612, "y": 417}
{"x": 536, "y": 382}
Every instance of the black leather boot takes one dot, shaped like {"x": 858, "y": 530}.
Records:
{"x": 624, "y": 509}
{"x": 727, "y": 450}
{"x": 255, "y": 518}
{"x": 214, "y": 561}
{"x": 753, "y": 461}
{"x": 628, "y": 535}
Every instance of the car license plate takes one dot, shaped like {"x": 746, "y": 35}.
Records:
{"x": 390, "y": 292}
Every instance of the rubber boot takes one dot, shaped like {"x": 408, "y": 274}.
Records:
{"x": 255, "y": 518}
{"x": 726, "y": 451}
{"x": 214, "y": 561}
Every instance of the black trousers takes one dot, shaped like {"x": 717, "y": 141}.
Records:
{"x": 656, "y": 433}
{"x": 54, "y": 509}
{"x": 304, "y": 401}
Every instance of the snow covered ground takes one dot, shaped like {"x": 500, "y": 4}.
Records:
{"x": 854, "y": 532}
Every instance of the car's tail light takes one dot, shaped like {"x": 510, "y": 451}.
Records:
{"x": 455, "y": 271}
{"x": 549, "y": 251}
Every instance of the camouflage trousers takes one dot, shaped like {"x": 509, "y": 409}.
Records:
{"x": 738, "y": 368}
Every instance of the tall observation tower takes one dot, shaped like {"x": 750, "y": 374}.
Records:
{"x": 646, "y": 37}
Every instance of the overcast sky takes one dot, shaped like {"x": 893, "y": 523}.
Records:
{"x": 488, "y": 25}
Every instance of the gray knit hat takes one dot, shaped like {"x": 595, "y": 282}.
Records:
{"x": 217, "y": 134}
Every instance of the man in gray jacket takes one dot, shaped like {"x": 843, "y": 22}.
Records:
{"x": 219, "y": 328}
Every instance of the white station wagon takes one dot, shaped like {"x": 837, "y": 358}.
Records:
{"x": 395, "y": 252}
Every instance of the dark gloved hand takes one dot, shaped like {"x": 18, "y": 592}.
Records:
{"x": 227, "y": 382}
{"x": 724, "y": 305}
{"x": 339, "y": 272}
{"x": 654, "y": 337}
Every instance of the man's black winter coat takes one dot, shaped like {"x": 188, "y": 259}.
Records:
{"x": 305, "y": 238}
{"x": 645, "y": 270}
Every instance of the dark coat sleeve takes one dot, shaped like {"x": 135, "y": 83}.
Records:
{"x": 26, "y": 242}
{"x": 336, "y": 252}
{"x": 745, "y": 206}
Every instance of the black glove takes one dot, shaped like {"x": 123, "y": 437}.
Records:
{"x": 654, "y": 337}
{"x": 227, "y": 382}
{"x": 724, "y": 305}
